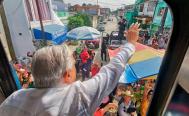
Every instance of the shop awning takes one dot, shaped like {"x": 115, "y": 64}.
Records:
{"x": 55, "y": 33}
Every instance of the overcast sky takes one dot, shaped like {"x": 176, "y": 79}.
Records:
{"x": 113, "y": 4}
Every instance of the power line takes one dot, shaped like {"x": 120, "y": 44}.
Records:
{"x": 104, "y": 3}
{"x": 112, "y": 4}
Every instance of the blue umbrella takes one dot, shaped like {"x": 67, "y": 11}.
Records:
{"x": 83, "y": 33}
{"x": 136, "y": 71}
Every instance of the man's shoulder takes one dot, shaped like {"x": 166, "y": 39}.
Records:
{"x": 17, "y": 95}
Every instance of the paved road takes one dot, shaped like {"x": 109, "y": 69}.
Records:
{"x": 111, "y": 25}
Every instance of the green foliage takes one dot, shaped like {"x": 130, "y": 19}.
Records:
{"x": 74, "y": 43}
{"x": 75, "y": 22}
{"x": 86, "y": 19}
{"x": 79, "y": 20}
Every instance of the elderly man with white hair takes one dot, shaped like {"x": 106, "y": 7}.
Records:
{"x": 56, "y": 92}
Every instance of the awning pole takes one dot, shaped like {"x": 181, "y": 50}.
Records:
{"x": 41, "y": 22}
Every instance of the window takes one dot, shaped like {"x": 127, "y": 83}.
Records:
{"x": 141, "y": 7}
{"x": 140, "y": 74}
{"x": 161, "y": 11}
{"x": 151, "y": 6}
{"x": 32, "y": 11}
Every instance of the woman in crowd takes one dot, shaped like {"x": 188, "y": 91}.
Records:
{"x": 84, "y": 59}
{"x": 125, "y": 103}
{"x": 148, "y": 92}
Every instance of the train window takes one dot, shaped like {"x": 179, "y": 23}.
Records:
{"x": 94, "y": 31}
{"x": 179, "y": 104}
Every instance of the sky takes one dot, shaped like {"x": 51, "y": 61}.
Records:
{"x": 112, "y": 4}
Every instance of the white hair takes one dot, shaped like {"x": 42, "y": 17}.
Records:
{"x": 49, "y": 65}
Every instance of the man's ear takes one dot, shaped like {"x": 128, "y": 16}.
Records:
{"x": 65, "y": 75}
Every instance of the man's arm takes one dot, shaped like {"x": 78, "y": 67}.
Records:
{"x": 106, "y": 80}
{"x": 95, "y": 89}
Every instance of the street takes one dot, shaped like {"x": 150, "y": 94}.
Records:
{"x": 84, "y": 27}
{"x": 111, "y": 25}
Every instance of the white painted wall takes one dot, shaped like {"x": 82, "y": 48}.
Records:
{"x": 94, "y": 21}
{"x": 18, "y": 23}
{"x": 4, "y": 40}
{"x": 145, "y": 11}
{"x": 54, "y": 17}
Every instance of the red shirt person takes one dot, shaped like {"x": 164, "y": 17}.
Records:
{"x": 84, "y": 56}
{"x": 94, "y": 69}
{"x": 84, "y": 59}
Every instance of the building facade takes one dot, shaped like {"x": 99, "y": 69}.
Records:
{"x": 158, "y": 16}
{"x": 145, "y": 9}
{"x": 22, "y": 17}
{"x": 129, "y": 14}
{"x": 19, "y": 26}
{"x": 88, "y": 9}
{"x": 105, "y": 12}
{"x": 60, "y": 8}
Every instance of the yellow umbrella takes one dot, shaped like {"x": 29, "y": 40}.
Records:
{"x": 144, "y": 55}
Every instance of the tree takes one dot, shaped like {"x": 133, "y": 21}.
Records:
{"x": 79, "y": 20}
{"x": 75, "y": 22}
{"x": 86, "y": 19}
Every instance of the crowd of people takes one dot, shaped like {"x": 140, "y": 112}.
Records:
{"x": 22, "y": 67}
{"x": 84, "y": 62}
{"x": 157, "y": 41}
{"x": 57, "y": 93}
{"x": 127, "y": 100}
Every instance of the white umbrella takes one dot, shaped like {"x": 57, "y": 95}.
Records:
{"x": 83, "y": 33}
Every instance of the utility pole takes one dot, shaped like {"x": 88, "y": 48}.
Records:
{"x": 161, "y": 29}
{"x": 97, "y": 8}
{"x": 156, "y": 4}
{"x": 7, "y": 32}
{"x": 41, "y": 23}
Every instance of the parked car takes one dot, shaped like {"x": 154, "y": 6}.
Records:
{"x": 114, "y": 35}
{"x": 101, "y": 27}
{"x": 114, "y": 44}
{"x": 100, "y": 23}
{"x": 92, "y": 44}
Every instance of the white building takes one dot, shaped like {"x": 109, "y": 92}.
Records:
{"x": 19, "y": 27}
{"x": 147, "y": 8}
{"x": 22, "y": 16}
